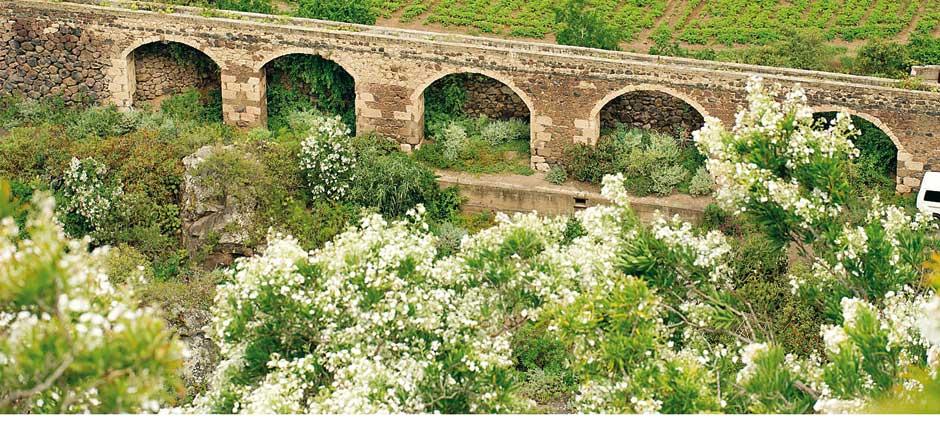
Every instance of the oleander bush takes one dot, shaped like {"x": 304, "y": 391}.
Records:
{"x": 599, "y": 312}
{"x": 801, "y": 292}
{"x": 70, "y": 342}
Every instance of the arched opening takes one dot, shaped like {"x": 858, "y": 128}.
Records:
{"x": 650, "y": 110}
{"x": 644, "y": 133}
{"x": 163, "y": 69}
{"x": 877, "y": 164}
{"x": 304, "y": 82}
{"x": 477, "y": 123}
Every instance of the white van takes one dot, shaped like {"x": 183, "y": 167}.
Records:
{"x": 928, "y": 199}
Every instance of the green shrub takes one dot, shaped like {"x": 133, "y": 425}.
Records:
{"x": 453, "y": 141}
{"x": 394, "y": 184}
{"x": 300, "y": 82}
{"x": 650, "y": 162}
{"x": 924, "y": 50}
{"x": 448, "y": 238}
{"x": 256, "y": 6}
{"x": 581, "y": 25}
{"x": 701, "y": 183}
{"x": 667, "y": 178}
{"x": 881, "y": 58}
{"x": 191, "y": 105}
{"x": 502, "y": 132}
{"x": 356, "y": 12}
{"x": 556, "y": 175}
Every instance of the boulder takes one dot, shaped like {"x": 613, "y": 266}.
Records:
{"x": 204, "y": 217}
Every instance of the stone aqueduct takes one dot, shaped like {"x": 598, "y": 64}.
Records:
{"x": 87, "y": 46}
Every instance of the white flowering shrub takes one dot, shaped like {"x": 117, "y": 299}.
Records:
{"x": 385, "y": 319}
{"x": 367, "y": 324}
{"x": 69, "y": 341}
{"x": 90, "y": 197}
{"x": 788, "y": 173}
{"x": 327, "y": 158}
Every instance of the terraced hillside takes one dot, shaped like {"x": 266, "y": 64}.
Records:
{"x": 693, "y": 22}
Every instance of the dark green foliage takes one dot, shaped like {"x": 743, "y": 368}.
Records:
{"x": 650, "y": 163}
{"x": 356, "y": 12}
{"x": 394, "y": 183}
{"x": 924, "y": 50}
{"x": 799, "y": 50}
{"x": 256, "y": 6}
{"x": 193, "y": 105}
{"x": 881, "y": 58}
{"x": 143, "y": 151}
{"x": 582, "y": 25}
{"x": 876, "y": 166}
{"x": 542, "y": 359}
{"x": 299, "y": 82}
{"x": 573, "y": 230}
{"x": 444, "y": 101}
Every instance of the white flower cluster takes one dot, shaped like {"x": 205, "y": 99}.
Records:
{"x": 391, "y": 335}
{"x": 327, "y": 159}
{"x": 709, "y": 252}
{"x": 86, "y": 193}
{"x": 69, "y": 320}
{"x": 746, "y": 174}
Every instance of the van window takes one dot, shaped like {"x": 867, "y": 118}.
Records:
{"x": 932, "y": 196}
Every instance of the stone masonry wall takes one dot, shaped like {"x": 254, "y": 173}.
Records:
{"x": 487, "y": 96}
{"x": 566, "y": 87}
{"x": 41, "y": 57}
{"x": 650, "y": 110}
{"x": 158, "y": 75}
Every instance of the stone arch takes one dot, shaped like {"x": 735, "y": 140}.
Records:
{"x": 594, "y": 124}
{"x": 260, "y": 69}
{"x": 867, "y": 117}
{"x": 899, "y": 173}
{"x": 417, "y": 100}
{"x": 124, "y": 71}
{"x": 260, "y": 65}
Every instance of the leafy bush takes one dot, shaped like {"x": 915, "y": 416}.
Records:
{"x": 581, "y": 25}
{"x": 701, "y": 183}
{"x": 459, "y": 145}
{"x": 881, "y": 58}
{"x": 72, "y": 343}
{"x": 503, "y": 132}
{"x": 394, "y": 184}
{"x": 300, "y": 82}
{"x": 256, "y": 6}
{"x": 556, "y": 175}
{"x": 448, "y": 238}
{"x": 453, "y": 140}
{"x": 337, "y": 10}
{"x": 328, "y": 160}
{"x": 651, "y": 162}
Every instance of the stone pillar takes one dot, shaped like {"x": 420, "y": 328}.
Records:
{"x": 909, "y": 173}
{"x": 387, "y": 110}
{"x": 540, "y": 138}
{"x": 244, "y": 102}
{"x": 123, "y": 81}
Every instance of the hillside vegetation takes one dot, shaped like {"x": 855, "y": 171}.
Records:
{"x": 864, "y": 37}
{"x": 692, "y": 22}
{"x": 697, "y": 22}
